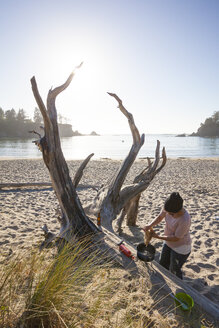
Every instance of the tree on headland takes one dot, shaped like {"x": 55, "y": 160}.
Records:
{"x": 2, "y": 114}
{"x": 210, "y": 128}
{"x": 16, "y": 124}
{"x": 10, "y": 115}
{"x": 9, "y": 123}
{"x": 37, "y": 117}
{"x": 21, "y": 116}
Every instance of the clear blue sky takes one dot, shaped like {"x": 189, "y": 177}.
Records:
{"x": 160, "y": 57}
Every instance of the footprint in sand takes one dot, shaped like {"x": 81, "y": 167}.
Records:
{"x": 194, "y": 267}
{"x": 12, "y": 235}
{"x": 211, "y": 277}
{"x": 23, "y": 222}
{"x": 14, "y": 227}
{"x": 206, "y": 265}
{"x": 4, "y": 228}
{"x": 197, "y": 243}
{"x": 6, "y": 241}
{"x": 199, "y": 227}
{"x": 208, "y": 242}
{"x": 210, "y": 252}
{"x": 157, "y": 245}
{"x": 27, "y": 230}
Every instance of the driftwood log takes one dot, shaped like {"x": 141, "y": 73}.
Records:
{"x": 112, "y": 199}
{"x": 39, "y": 185}
{"x": 115, "y": 198}
{"x": 74, "y": 220}
{"x": 25, "y": 184}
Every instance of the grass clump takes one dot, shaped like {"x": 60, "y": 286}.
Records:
{"x": 45, "y": 289}
{"x": 75, "y": 289}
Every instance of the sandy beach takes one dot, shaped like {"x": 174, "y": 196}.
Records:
{"x": 24, "y": 210}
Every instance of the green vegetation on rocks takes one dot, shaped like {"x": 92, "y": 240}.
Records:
{"x": 210, "y": 128}
{"x": 17, "y": 125}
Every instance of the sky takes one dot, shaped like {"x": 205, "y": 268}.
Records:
{"x": 161, "y": 57}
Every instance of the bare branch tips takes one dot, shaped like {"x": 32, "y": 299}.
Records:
{"x": 62, "y": 87}
{"x": 39, "y": 101}
{"x": 134, "y": 130}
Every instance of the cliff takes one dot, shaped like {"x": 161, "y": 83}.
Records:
{"x": 210, "y": 128}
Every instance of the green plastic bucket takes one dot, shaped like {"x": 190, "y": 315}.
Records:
{"x": 186, "y": 299}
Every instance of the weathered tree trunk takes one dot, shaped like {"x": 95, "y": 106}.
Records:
{"x": 114, "y": 198}
{"x": 130, "y": 211}
{"x": 110, "y": 199}
{"x": 131, "y": 208}
{"x": 74, "y": 220}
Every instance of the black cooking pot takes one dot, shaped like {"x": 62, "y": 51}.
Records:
{"x": 146, "y": 253}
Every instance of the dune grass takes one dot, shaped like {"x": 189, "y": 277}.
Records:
{"x": 76, "y": 289}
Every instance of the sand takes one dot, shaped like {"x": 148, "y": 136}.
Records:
{"x": 23, "y": 211}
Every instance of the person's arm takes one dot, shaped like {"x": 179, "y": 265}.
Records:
{"x": 166, "y": 238}
{"x": 181, "y": 230}
{"x": 156, "y": 221}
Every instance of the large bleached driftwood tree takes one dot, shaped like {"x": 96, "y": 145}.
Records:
{"x": 112, "y": 199}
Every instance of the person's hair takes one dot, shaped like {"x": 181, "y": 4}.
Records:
{"x": 173, "y": 203}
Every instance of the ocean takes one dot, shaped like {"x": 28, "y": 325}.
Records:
{"x": 115, "y": 147}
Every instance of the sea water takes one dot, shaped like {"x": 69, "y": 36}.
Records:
{"x": 115, "y": 147}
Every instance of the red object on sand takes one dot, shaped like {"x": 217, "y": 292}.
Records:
{"x": 125, "y": 250}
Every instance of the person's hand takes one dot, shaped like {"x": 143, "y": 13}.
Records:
{"x": 154, "y": 234}
{"x": 147, "y": 227}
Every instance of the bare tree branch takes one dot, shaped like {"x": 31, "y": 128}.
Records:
{"x": 34, "y": 132}
{"x": 80, "y": 170}
{"x": 54, "y": 93}
{"x": 128, "y": 192}
{"x": 164, "y": 160}
{"x": 40, "y": 103}
{"x": 138, "y": 141}
{"x": 74, "y": 219}
{"x": 134, "y": 130}
{"x": 142, "y": 174}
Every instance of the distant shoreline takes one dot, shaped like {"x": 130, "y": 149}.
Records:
{"x": 114, "y": 147}
{"x": 8, "y": 158}
{"x": 62, "y": 136}
{"x": 184, "y": 135}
